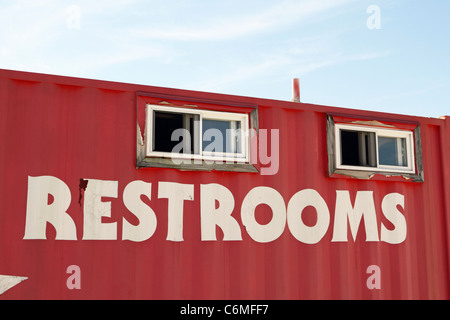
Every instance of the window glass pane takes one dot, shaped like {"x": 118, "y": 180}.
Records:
{"x": 165, "y": 123}
{"x": 392, "y": 151}
{"x": 358, "y": 148}
{"x": 221, "y": 136}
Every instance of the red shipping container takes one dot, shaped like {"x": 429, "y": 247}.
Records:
{"x": 84, "y": 213}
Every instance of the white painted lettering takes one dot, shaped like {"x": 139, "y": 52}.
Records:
{"x": 212, "y": 216}
{"x": 40, "y": 211}
{"x": 364, "y": 207}
{"x": 147, "y": 218}
{"x": 95, "y": 210}
{"x": 49, "y": 199}
{"x": 303, "y": 233}
{"x": 177, "y": 193}
{"x": 390, "y": 211}
{"x": 272, "y": 198}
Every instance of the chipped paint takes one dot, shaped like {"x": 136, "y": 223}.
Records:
{"x": 82, "y": 189}
{"x": 140, "y": 146}
{"x": 187, "y": 105}
{"x": 367, "y": 175}
{"x": 373, "y": 123}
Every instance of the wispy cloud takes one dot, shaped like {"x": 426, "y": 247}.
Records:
{"x": 413, "y": 93}
{"x": 236, "y": 76}
{"x": 297, "y": 57}
{"x": 37, "y": 35}
{"x": 239, "y": 25}
{"x": 282, "y": 66}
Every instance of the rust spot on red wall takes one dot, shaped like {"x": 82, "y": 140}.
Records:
{"x": 82, "y": 189}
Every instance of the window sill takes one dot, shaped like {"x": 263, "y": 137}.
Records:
{"x": 377, "y": 175}
{"x": 195, "y": 165}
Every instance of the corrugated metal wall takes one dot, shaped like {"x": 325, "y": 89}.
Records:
{"x": 76, "y": 129}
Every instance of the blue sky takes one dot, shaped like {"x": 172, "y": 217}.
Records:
{"x": 394, "y": 59}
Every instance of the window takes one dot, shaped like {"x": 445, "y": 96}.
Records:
{"x": 374, "y": 149}
{"x": 366, "y": 148}
{"x": 197, "y": 134}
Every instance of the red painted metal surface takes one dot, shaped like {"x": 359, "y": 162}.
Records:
{"x": 76, "y": 129}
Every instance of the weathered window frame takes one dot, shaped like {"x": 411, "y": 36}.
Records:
{"x": 414, "y": 170}
{"x": 194, "y": 105}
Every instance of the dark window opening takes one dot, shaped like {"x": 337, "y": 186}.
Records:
{"x": 358, "y": 148}
{"x": 165, "y": 136}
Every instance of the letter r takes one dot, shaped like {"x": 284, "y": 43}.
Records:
{"x": 39, "y": 211}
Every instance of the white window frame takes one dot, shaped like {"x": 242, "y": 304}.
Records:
{"x": 379, "y": 132}
{"x": 243, "y": 118}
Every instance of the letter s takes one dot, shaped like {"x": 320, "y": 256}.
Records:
{"x": 145, "y": 214}
{"x": 390, "y": 211}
